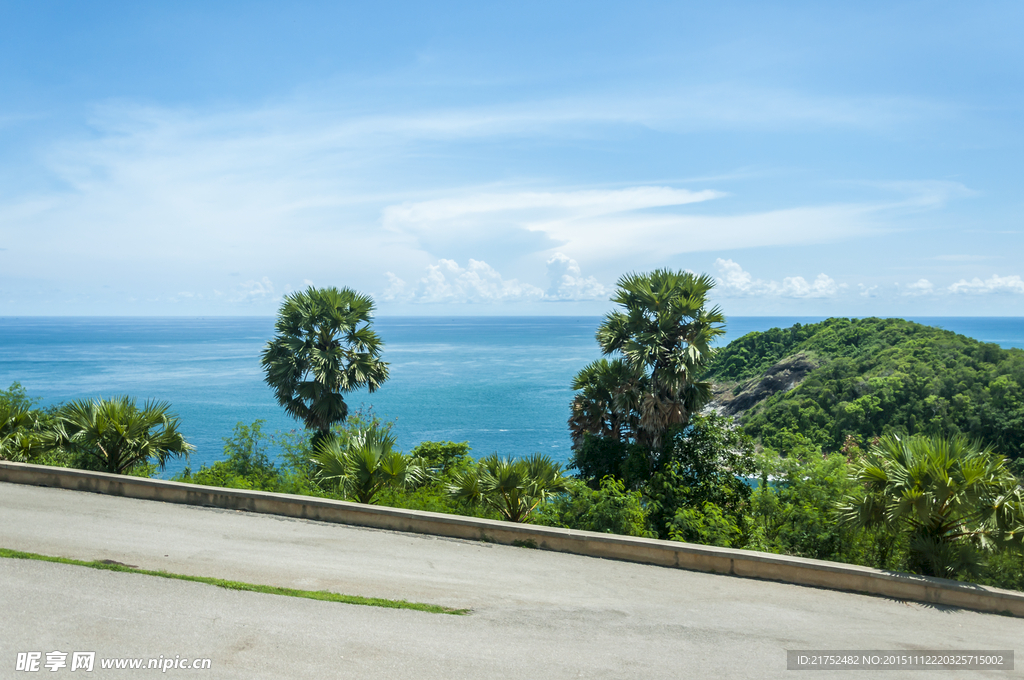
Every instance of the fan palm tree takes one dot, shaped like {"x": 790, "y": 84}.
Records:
{"x": 608, "y": 394}
{"x": 114, "y": 435}
{"x": 324, "y": 347}
{"x": 363, "y": 462}
{"x": 665, "y": 334}
{"x": 512, "y": 487}
{"x": 954, "y": 497}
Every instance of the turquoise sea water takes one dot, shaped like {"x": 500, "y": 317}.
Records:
{"x": 501, "y": 383}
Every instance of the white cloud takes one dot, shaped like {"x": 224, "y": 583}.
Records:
{"x": 479, "y": 282}
{"x": 255, "y": 291}
{"x": 568, "y": 283}
{"x": 397, "y": 288}
{"x": 734, "y": 280}
{"x": 993, "y": 284}
{"x": 447, "y": 282}
{"x": 822, "y": 286}
{"x": 867, "y": 291}
{"x": 920, "y": 287}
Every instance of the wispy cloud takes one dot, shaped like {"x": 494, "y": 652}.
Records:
{"x": 609, "y": 225}
{"x": 537, "y": 221}
{"x": 573, "y": 203}
{"x": 927, "y": 193}
{"x": 963, "y": 258}
{"x": 752, "y": 107}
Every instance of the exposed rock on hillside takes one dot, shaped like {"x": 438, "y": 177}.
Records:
{"x": 732, "y": 400}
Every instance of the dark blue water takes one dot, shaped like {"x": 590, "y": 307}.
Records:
{"x": 500, "y": 383}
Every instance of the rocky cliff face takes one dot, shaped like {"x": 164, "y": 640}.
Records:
{"x": 733, "y": 400}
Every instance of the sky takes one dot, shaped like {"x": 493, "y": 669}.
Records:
{"x": 207, "y": 158}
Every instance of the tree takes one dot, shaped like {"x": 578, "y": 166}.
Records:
{"x": 363, "y": 462}
{"x": 324, "y": 347}
{"x": 608, "y": 395}
{"x": 598, "y": 457}
{"x": 624, "y": 406}
{"x": 953, "y": 497}
{"x": 665, "y": 335}
{"x": 512, "y": 487}
{"x": 114, "y": 435}
{"x": 440, "y": 460}
{"x": 792, "y": 508}
{"x": 701, "y": 470}
{"x": 610, "y": 509}
{"x": 17, "y": 430}
{"x": 247, "y": 465}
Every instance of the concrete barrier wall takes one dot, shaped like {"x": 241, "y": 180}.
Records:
{"x": 746, "y": 563}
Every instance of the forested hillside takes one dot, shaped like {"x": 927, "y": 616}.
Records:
{"x": 867, "y": 377}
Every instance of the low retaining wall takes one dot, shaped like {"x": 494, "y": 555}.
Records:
{"x": 747, "y": 563}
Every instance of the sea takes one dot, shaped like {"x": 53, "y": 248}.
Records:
{"x": 503, "y": 384}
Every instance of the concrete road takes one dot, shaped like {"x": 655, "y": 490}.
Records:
{"x": 535, "y": 613}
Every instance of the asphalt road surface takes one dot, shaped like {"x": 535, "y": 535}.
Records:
{"x": 535, "y": 614}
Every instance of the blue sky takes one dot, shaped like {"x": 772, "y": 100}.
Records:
{"x": 204, "y": 158}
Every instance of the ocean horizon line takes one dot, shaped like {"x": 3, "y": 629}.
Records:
{"x": 511, "y": 316}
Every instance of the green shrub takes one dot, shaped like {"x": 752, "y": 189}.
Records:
{"x": 247, "y": 465}
{"x": 609, "y": 509}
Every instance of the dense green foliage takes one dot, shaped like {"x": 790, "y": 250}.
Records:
{"x": 696, "y": 477}
{"x": 324, "y": 347}
{"x": 880, "y": 376}
{"x": 20, "y": 424}
{"x": 595, "y": 458}
{"x": 610, "y": 509}
{"x": 442, "y": 459}
{"x": 793, "y": 510}
{"x": 247, "y": 464}
{"x": 700, "y": 478}
{"x": 442, "y": 463}
{"x": 710, "y": 487}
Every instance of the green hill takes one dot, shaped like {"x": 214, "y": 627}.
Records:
{"x": 866, "y": 377}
